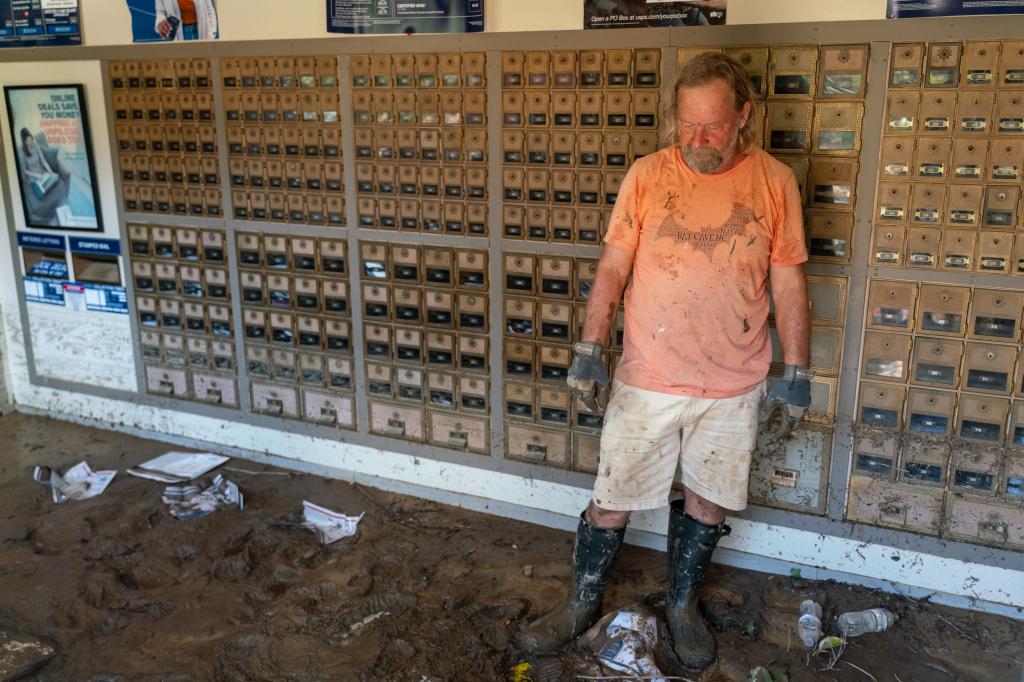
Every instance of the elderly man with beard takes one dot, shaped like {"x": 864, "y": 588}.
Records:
{"x": 699, "y": 231}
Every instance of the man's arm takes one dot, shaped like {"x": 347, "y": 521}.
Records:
{"x": 792, "y": 313}
{"x": 613, "y": 270}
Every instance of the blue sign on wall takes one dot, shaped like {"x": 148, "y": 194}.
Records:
{"x": 912, "y": 9}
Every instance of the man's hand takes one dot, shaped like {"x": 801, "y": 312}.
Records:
{"x": 588, "y": 377}
{"x": 791, "y": 395}
{"x": 163, "y": 27}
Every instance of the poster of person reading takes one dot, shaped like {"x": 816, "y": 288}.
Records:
{"x": 156, "y": 21}
{"x": 50, "y": 139}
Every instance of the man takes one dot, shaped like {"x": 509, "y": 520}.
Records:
{"x": 186, "y": 19}
{"x": 701, "y": 227}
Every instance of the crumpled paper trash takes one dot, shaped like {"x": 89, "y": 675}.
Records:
{"x": 627, "y": 641}
{"x": 79, "y": 482}
{"x": 193, "y": 501}
{"x": 329, "y": 526}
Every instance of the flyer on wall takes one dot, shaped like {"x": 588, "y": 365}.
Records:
{"x": 156, "y": 21}
{"x": 50, "y": 134}
{"x": 400, "y": 16}
{"x": 913, "y": 9}
{"x": 28, "y": 23}
{"x": 652, "y": 13}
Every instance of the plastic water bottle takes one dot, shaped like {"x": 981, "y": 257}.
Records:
{"x": 857, "y": 623}
{"x": 809, "y": 624}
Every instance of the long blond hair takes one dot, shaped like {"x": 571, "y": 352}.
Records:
{"x": 701, "y": 70}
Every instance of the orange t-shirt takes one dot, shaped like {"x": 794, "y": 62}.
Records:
{"x": 697, "y": 304}
{"x": 188, "y": 11}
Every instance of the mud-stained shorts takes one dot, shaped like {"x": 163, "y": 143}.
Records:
{"x": 648, "y": 435}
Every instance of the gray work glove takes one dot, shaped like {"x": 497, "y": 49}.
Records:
{"x": 588, "y": 377}
{"x": 790, "y": 398}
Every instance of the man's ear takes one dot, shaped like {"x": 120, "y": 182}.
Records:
{"x": 745, "y": 113}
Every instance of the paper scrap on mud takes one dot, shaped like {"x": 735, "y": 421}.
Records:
{"x": 628, "y": 645}
{"x": 328, "y": 525}
{"x": 79, "y": 482}
{"x": 178, "y": 467}
{"x": 189, "y": 502}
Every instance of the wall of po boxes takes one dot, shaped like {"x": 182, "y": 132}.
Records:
{"x": 940, "y": 444}
{"x": 402, "y": 245}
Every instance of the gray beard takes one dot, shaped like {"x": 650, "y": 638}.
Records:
{"x": 703, "y": 159}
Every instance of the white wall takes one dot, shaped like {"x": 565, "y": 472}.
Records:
{"x": 107, "y": 22}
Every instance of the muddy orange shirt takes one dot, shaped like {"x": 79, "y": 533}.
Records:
{"x": 188, "y": 11}
{"x": 697, "y": 305}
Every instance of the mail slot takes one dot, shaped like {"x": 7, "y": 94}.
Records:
{"x": 989, "y": 368}
{"x": 1005, "y": 160}
{"x": 995, "y": 314}
{"x": 976, "y": 469}
{"x": 520, "y": 360}
{"x": 893, "y": 202}
{"x": 927, "y": 203}
{"x": 441, "y": 389}
{"x": 520, "y": 317}
{"x": 874, "y": 453}
{"x": 985, "y": 522}
{"x": 407, "y": 305}
{"x": 842, "y": 70}
{"x": 328, "y": 410}
{"x": 755, "y": 61}
{"x": 1009, "y": 113}
{"x": 472, "y": 311}
{"x": 891, "y": 305}
{"x": 837, "y": 128}
{"x": 957, "y": 250}
{"x": 459, "y": 431}
{"x": 438, "y": 266}
{"x": 380, "y": 379}
{"x": 964, "y": 204}
{"x": 936, "y": 362}
{"x": 791, "y": 71}
{"x": 886, "y": 357}
{"x": 923, "y": 247}
{"x": 171, "y": 383}
{"x": 894, "y": 505}
{"x": 520, "y": 401}
{"x": 378, "y": 341}
{"x": 901, "y": 112}
{"x": 537, "y": 446}
{"x": 519, "y": 273}
{"x": 275, "y": 400}
{"x": 924, "y": 461}
{"x": 377, "y": 302}
{"x": 474, "y": 394}
{"x": 974, "y": 113}
{"x": 1001, "y": 207}
{"x": 440, "y": 308}
{"x": 283, "y": 365}
{"x": 982, "y": 418}
{"x": 880, "y": 405}
{"x": 440, "y": 349}
{"x": 789, "y": 126}
{"x": 969, "y": 159}
{"x": 409, "y": 384}
{"x": 943, "y": 309}
{"x": 473, "y": 353}
{"x": 554, "y": 406}
{"x": 586, "y": 453}
{"x": 396, "y": 421}
{"x": 829, "y": 236}
{"x": 554, "y": 362}
{"x": 1013, "y": 471}
{"x": 995, "y": 251}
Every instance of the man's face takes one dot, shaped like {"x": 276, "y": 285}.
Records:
{"x": 709, "y": 125}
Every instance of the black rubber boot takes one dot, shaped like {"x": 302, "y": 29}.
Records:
{"x": 593, "y": 559}
{"x": 690, "y": 545}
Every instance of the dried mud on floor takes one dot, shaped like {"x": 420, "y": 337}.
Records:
{"x": 424, "y": 592}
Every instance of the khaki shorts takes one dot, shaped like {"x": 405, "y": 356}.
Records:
{"x": 648, "y": 435}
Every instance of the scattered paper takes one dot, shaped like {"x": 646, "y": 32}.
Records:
{"x": 628, "y": 645}
{"x": 189, "y": 502}
{"x": 79, "y": 482}
{"x": 178, "y": 467}
{"x": 328, "y": 525}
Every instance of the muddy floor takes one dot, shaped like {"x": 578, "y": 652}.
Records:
{"x": 423, "y": 592}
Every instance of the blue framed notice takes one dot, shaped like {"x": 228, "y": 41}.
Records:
{"x": 30, "y": 23}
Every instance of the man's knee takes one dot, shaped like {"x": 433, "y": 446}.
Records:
{"x": 703, "y": 510}
{"x": 606, "y": 518}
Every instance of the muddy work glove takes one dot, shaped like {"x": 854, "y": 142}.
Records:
{"x": 588, "y": 377}
{"x": 785, "y": 405}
